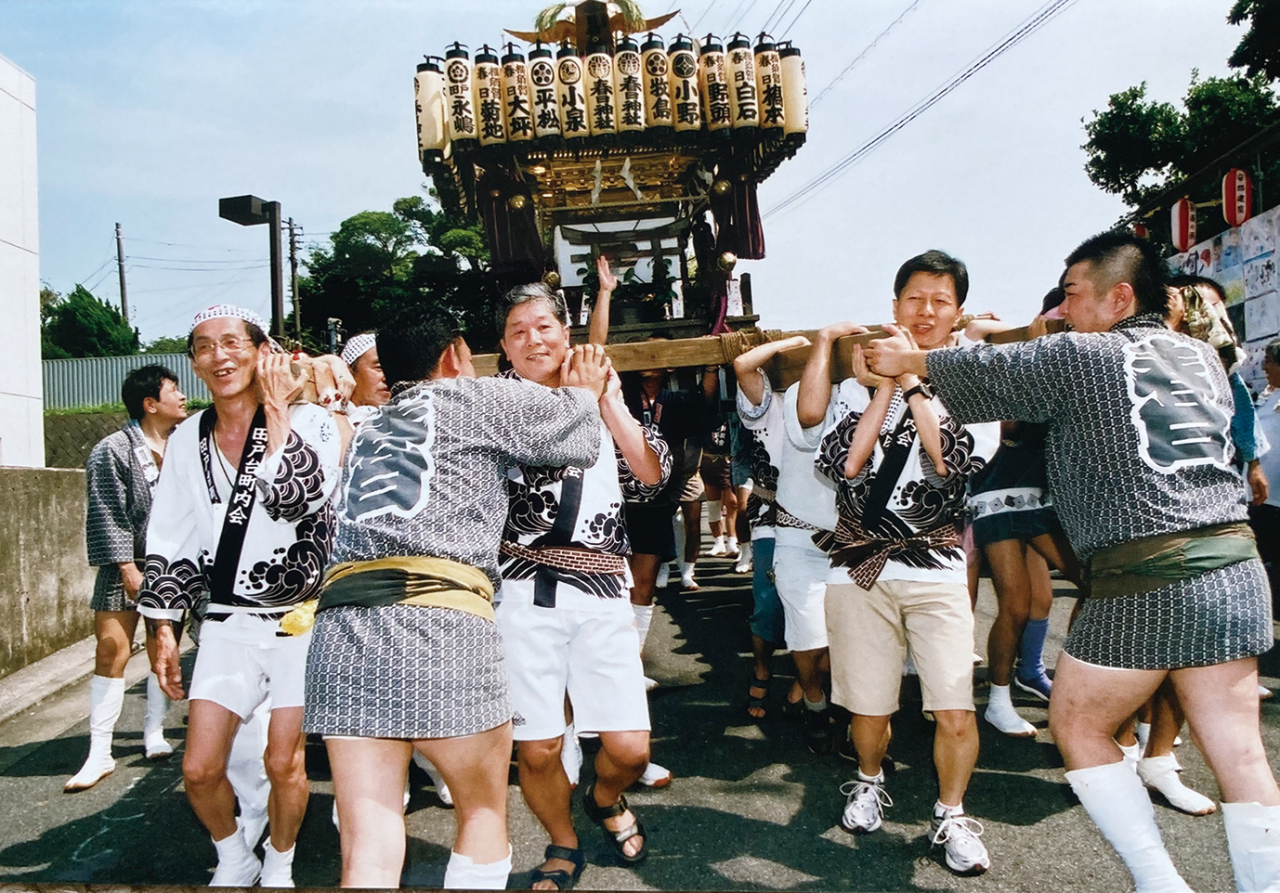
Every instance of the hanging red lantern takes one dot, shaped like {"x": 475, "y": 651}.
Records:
{"x": 1237, "y": 197}
{"x": 1140, "y": 230}
{"x": 1182, "y": 224}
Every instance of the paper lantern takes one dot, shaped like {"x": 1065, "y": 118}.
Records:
{"x": 628, "y": 86}
{"x": 769, "y": 85}
{"x": 714, "y": 81}
{"x": 460, "y": 123}
{"x": 487, "y": 76}
{"x": 1182, "y": 223}
{"x": 658, "y": 112}
{"x": 1237, "y": 197}
{"x": 1141, "y": 231}
{"x": 571, "y": 93}
{"x": 744, "y": 100}
{"x": 517, "y": 104}
{"x": 542, "y": 84}
{"x": 428, "y": 103}
{"x": 795, "y": 91}
{"x": 685, "y": 95}
{"x": 602, "y": 112}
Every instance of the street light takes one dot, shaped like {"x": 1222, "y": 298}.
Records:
{"x": 249, "y": 210}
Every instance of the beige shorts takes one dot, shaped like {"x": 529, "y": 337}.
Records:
{"x": 869, "y": 633}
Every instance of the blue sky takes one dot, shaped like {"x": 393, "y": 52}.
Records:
{"x": 149, "y": 111}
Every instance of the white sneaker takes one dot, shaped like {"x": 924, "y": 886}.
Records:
{"x": 237, "y": 865}
{"x": 718, "y": 549}
{"x": 1161, "y": 774}
{"x": 865, "y": 802}
{"x": 958, "y": 834}
{"x": 571, "y": 756}
{"x": 655, "y": 776}
{"x": 442, "y": 789}
{"x": 664, "y": 576}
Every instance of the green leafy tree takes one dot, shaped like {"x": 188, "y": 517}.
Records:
{"x": 166, "y": 344}
{"x": 1259, "y": 50}
{"x": 81, "y": 325}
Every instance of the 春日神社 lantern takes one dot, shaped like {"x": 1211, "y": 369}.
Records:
{"x": 628, "y": 86}
{"x": 602, "y": 118}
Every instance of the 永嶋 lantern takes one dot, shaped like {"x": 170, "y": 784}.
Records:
{"x": 516, "y": 102}
{"x": 1182, "y": 223}
{"x": 1237, "y": 197}
{"x": 428, "y": 103}
{"x": 460, "y": 110}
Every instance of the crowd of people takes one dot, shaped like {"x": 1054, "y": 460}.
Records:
{"x": 418, "y": 564}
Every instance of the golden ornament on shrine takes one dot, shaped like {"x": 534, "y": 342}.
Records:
{"x": 727, "y": 261}
{"x": 551, "y": 278}
{"x": 721, "y": 187}
{"x": 517, "y": 202}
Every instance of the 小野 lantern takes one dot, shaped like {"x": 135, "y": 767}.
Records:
{"x": 686, "y": 97}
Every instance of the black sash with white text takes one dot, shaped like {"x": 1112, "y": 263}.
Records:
{"x": 243, "y": 494}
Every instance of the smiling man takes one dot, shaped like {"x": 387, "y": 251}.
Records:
{"x": 242, "y": 517}
{"x": 1139, "y": 460}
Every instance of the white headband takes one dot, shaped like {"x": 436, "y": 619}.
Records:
{"x": 223, "y": 311}
{"x": 358, "y": 346}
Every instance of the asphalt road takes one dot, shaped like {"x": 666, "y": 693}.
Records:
{"x": 749, "y": 809}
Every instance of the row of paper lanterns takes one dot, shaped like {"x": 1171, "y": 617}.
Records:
{"x": 564, "y": 96}
{"x": 1237, "y": 207}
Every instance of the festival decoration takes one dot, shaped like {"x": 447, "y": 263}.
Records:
{"x": 1237, "y": 197}
{"x": 1182, "y": 224}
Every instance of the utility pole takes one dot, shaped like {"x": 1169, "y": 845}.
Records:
{"x": 293, "y": 281}
{"x": 124, "y": 294}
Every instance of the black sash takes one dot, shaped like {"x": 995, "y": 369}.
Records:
{"x": 235, "y": 523}
{"x": 560, "y": 534}
{"x": 886, "y": 476}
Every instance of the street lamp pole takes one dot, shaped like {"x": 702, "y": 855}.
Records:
{"x": 249, "y": 210}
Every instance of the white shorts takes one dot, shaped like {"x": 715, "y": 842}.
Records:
{"x": 590, "y": 652}
{"x": 800, "y": 573}
{"x": 241, "y": 662}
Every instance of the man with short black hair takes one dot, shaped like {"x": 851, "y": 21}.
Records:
{"x": 121, "y": 474}
{"x": 1139, "y": 460}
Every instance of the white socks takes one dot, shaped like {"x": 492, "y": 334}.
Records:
{"x": 644, "y": 619}
{"x": 1161, "y": 774}
{"x": 1000, "y": 713}
{"x": 744, "y": 559}
{"x": 464, "y": 874}
{"x": 277, "y": 868}
{"x": 1253, "y": 839}
{"x": 1132, "y": 754}
{"x": 106, "y": 698}
{"x": 1117, "y": 802}
{"x": 686, "y": 575}
{"x": 153, "y": 732}
{"x": 237, "y": 865}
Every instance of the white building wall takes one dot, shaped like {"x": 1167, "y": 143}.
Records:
{"x": 21, "y": 399}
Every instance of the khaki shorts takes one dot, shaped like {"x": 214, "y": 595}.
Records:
{"x": 869, "y": 633}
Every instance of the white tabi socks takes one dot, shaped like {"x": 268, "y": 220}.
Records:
{"x": 153, "y": 742}
{"x": 1000, "y": 713}
{"x": 277, "y": 868}
{"x": 644, "y": 620}
{"x": 106, "y": 698}
{"x": 1115, "y": 799}
{"x": 1253, "y": 839}
{"x": 1161, "y": 774}
{"x": 237, "y": 865}
{"x": 464, "y": 874}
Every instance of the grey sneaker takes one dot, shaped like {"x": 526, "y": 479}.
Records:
{"x": 958, "y": 835}
{"x": 864, "y": 805}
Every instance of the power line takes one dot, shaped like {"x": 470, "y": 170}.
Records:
{"x": 780, "y": 12}
{"x": 738, "y": 21}
{"x": 710, "y": 6}
{"x": 254, "y": 266}
{"x": 1028, "y": 27}
{"x": 197, "y": 260}
{"x": 902, "y": 15}
{"x": 796, "y": 19}
{"x": 187, "y": 245}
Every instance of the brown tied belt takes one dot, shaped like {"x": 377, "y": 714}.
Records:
{"x": 865, "y": 556}
{"x": 568, "y": 559}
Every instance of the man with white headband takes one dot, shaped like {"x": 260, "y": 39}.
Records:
{"x": 242, "y": 517}
{"x": 361, "y": 354}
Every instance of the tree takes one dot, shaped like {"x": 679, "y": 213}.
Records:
{"x": 1259, "y": 50}
{"x": 81, "y": 325}
{"x": 166, "y": 344}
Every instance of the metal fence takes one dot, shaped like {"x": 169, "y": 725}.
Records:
{"x": 94, "y": 381}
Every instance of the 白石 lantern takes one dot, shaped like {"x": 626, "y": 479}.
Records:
{"x": 460, "y": 110}
{"x": 628, "y": 86}
{"x": 601, "y": 112}
{"x": 658, "y": 113}
{"x": 769, "y": 85}
{"x": 714, "y": 76}
{"x": 795, "y": 92}
{"x": 685, "y": 95}
{"x": 487, "y": 76}
{"x": 428, "y": 103}
{"x": 571, "y": 93}
{"x": 1237, "y": 197}
{"x": 744, "y": 102}
{"x": 546, "y": 106}
{"x": 516, "y": 102}
{"x": 1182, "y": 223}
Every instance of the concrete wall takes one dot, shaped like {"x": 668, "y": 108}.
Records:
{"x": 45, "y": 580}
{"x": 21, "y": 403}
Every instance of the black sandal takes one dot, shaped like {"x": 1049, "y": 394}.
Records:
{"x": 760, "y": 703}
{"x": 617, "y": 839}
{"x": 563, "y": 880}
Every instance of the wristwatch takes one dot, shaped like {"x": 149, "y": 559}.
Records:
{"x": 922, "y": 389}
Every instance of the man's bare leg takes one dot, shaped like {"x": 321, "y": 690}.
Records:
{"x": 955, "y": 753}
{"x": 210, "y": 730}
{"x": 621, "y": 761}
{"x": 546, "y": 791}
{"x": 287, "y": 771}
{"x": 475, "y": 768}
{"x": 368, "y": 782}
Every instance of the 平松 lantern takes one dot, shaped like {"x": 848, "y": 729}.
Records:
{"x": 1237, "y": 197}
{"x": 744, "y": 100}
{"x": 428, "y": 103}
{"x": 517, "y": 104}
{"x": 542, "y": 84}
{"x": 628, "y": 86}
{"x": 1182, "y": 223}
{"x": 714, "y": 80}
{"x": 769, "y": 85}
{"x": 685, "y": 95}
{"x": 602, "y": 118}
{"x": 571, "y": 93}
{"x": 658, "y": 111}
{"x": 795, "y": 91}
{"x": 460, "y": 112}
{"x": 487, "y": 77}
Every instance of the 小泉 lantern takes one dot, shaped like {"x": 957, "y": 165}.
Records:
{"x": 1182, "y": 223}
{"x": 517, "y": 104}
{"x": 460, "y": 120}
{"x": 685, "y": 95}
{"x": 571, "y": 93}
{"x": 428, "y": 102}
{"x": 602, "y": 119}
{"x": 487, "y": 76}
{"x": 744, "y": 102}
{"x": 546, "y": 106}
{"x": 714, "y": 76}
{"x": 1237, "y": 197}
{"x": 769, "y": 85}
{"x": 628, "y": 86}
{"x": 658, "y": 112}
{"x": 795, "y": 92}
